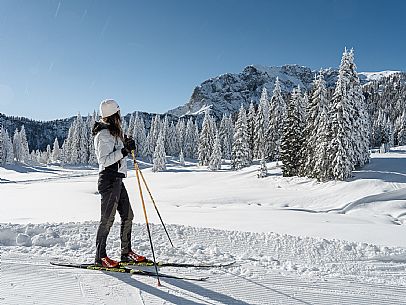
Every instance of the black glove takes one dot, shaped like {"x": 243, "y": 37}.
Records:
{"x": 129, "y": 145}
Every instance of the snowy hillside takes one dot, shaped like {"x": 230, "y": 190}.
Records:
{"x": 293, "y": 240}
{"x": 226, "y": 93}
{"x": 372, "y": 76}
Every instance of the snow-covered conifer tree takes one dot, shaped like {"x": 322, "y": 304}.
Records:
{"x": 277, "y": 114}
{"x": 262, "y": 170}
{"x": 2, "y": 146}
{"x": 292, "y": 139}
{"x": 180, "y": 134}
{"x": 259, "y": 134}
{"x": 48, "y": 155}
{"x": 350, "y": 121}
{"x": 74, "y": 142}
{"x": 171, "y": 142}
{"x": 159, "y": 158}
{"x": 165, "y": 129}
{"x": 17, "y": 146}
{"x": 131, "y": 125}
{"x": 56, "y": 152}
{"x": 84, "y": 142}
{"x": 206, "y": 140}
{"x": 124, "y": 125}
{"x": 361, "y": 120}
{"x": 8, "y": 145}
{"x": 240, "y": 152}
{"x": 92, "y": 153}
{"x": 265, "y": 105}
{"x": 25, "y": 151}
{"x": 342, "y": 148}
{"x": 226, "y": 133}
{"x": 152, "y": 137}
{"x": 139, "y": 135}
{"x": 215, "y": 158}
{"x": 317, "y": 133}
{"x": 181, "y": 158}
{"x": 251, "y": 128}
{"x": 190, "y": 140}
{"x": 402, "y": 129}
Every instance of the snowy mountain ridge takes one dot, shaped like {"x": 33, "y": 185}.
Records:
{"x": 375, "y": 76}
{"x": 226, "y": 92}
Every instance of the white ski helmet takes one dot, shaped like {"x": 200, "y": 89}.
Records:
{"x": 108, "y": 107}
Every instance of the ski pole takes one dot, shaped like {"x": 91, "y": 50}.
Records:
{"x": 152, "y": 199}
{"x": 146, "y": 217}
{"x": 155, "y": 206}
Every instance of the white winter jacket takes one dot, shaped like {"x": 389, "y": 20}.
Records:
{"x": 108, "y": 151}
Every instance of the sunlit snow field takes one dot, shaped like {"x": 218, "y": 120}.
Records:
{"x": 294, "y": 240}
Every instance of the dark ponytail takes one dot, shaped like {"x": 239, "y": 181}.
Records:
{"x": 114, "y": 125}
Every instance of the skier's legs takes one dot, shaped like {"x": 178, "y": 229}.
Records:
{"x": 109, "y": 189}
{"x": 127, "y": 215}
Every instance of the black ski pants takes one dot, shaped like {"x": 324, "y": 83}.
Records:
{"x": 114, "y": 198}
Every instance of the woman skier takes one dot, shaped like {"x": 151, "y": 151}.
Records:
{"x": 112, "y": 148}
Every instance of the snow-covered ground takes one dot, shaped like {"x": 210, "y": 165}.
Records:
{"x": 294, "y": 240}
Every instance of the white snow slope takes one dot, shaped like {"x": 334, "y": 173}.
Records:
{"x": 293, "y": 240}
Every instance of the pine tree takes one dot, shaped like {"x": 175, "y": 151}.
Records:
{"x": 131, "y": 125}
{"x": 181, "y": 158}
{"x": 171, "y": 140}
{"x": 84, "y": 142}
{"x": 56, "y": 152}
{"x": 262, "y": 170}
{"x": 8, "y": 149}
{"x": 92, "y": 160}
{"x": 361, "y": 120}
{"x": 165, "y": 130}
{"x": 265, "y": 105}
{"x": 75, "y": 142}
{"x": 17, "y": 146}
{"x": 240, "y": 151}
{"x": 251, "y": 128}
{"x": 226, "y": 133}
{"x": 206, "y": 140}
{"x": 48, "y": 155}
{"x": 277, "y": 114}
{"x": 2, "y": 146}
{"x": 196, "y": 147}
{"x": 317, "y": 133}
{"x": 342, "y": 147}
{"x": 292, "y": 138}
{"x": 402, "y": 129}
{"x": 152, "y": 137}
{"x": 260, "y": 134}
{"x": 215, "y": 158}
{"x": 139, "y": 136}
{"x": 159, "y": 158}
{"x": 64, "y": 157}
{"x": 180, "y": 134}
{"x": 25, "y": 151}
{"x": 190, "y": 140}
{"x": 124, "y": 125}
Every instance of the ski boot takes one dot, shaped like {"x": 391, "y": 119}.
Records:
{"x": 132, "y": 257}
{"x": 107, "y": 262}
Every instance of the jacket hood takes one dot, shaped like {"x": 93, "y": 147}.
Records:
{"x": 98, "y": 126}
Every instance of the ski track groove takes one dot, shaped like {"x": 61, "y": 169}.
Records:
{"x": 261, "y": 259}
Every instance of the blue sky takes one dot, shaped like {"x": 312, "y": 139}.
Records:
{"x": 58, "y": 58}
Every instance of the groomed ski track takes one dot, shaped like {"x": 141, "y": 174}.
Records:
{"x": 35, "y": 282}
{"x": 270, "y": 269}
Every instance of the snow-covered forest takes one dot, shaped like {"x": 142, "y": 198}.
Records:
{"x": 324, "y": 133}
